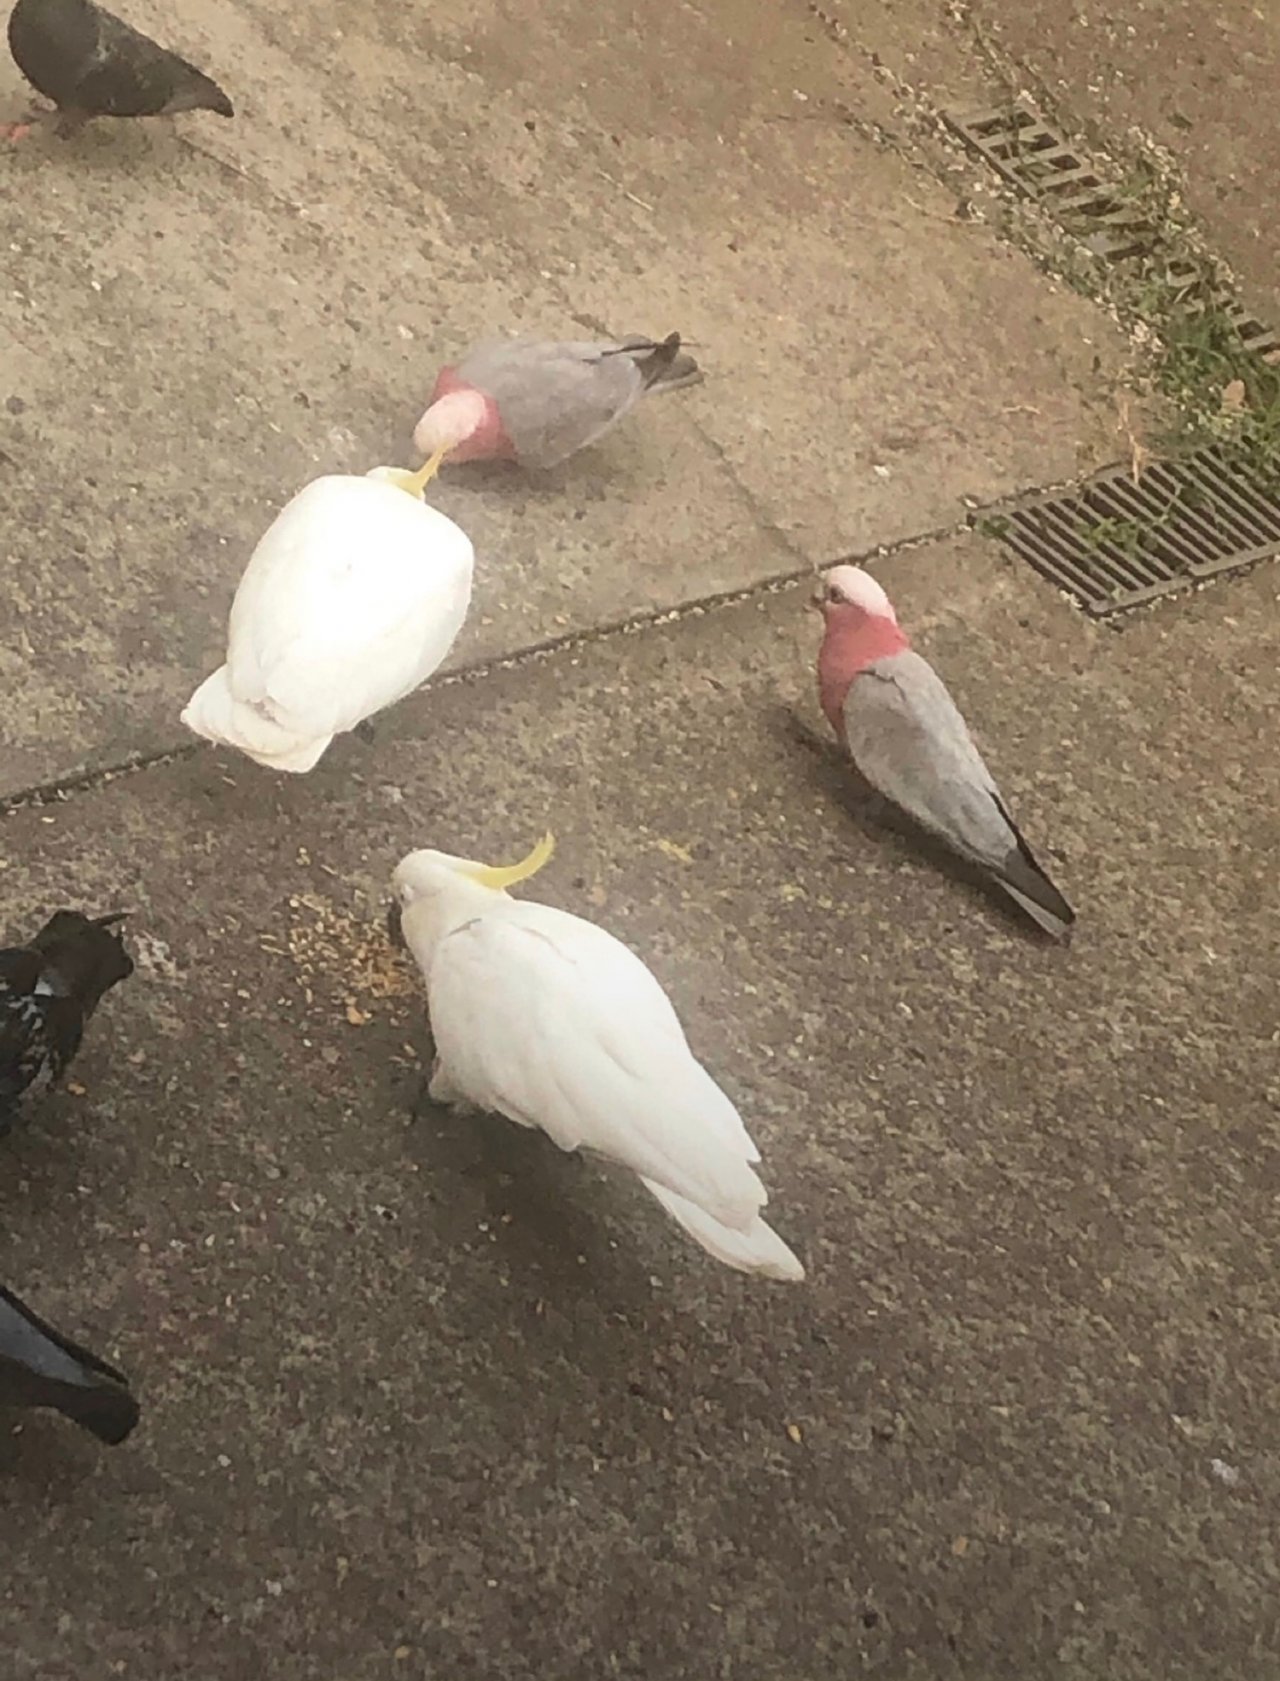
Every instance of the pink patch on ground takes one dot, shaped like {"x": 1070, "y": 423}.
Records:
{"x": 853, "y": 640}
{"x": 489, "y": 441}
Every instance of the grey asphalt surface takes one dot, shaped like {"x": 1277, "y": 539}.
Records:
{"x": 423, "y": 1397}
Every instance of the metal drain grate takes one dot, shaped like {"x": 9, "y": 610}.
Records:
{"x": 1114, "y": 545}
{"x": 1195, "y": 296}
{"x": 1038, "y": 162}
{"x": 1016, "y": 141}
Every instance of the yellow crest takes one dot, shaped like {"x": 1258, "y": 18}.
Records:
{"x": 501, "y": 876}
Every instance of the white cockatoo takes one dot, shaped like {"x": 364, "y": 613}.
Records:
{"x": 350, "y": 601}
{"x": 547, "y": 1019}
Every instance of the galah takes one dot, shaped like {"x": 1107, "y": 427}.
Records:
{"x": 92, "y": 64}
{"x": 48, "y": 990}
{"x": 39, "y": 1367}
{"x": 907, "y": 739}
{"x": 350, "y": 601}
{"x": 547, "y": 1019}
{"x": 537, "y": 401}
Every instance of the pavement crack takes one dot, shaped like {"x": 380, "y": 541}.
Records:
{"x": 763, "y": 520}
{"x": 63, "y": 789}
{"x": 81, "y": 782}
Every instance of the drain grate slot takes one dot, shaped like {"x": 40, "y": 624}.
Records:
{"x": 1025, "y": 150}
{"x": 1017, "y": 142}
{"x": 1114, "y": 545}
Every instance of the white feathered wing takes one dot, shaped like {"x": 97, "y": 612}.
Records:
{"x": 547, "y": 1019}
{"x": 351, "y": 599}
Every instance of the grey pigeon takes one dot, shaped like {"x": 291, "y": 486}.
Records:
{"x": 907, "y": 738}
{"x": 48, "y": 991}
{"x": 539, "y": 401}
{"x": 41, "y": 1368}
{"x": 92, "y": 64}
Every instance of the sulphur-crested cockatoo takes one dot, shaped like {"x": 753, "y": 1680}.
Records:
{"x": 351, "y": 600}
{"x": 547, "y": 1019}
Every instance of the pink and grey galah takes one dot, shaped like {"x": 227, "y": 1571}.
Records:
{"x": 538, "y": 401}
{"x": 907, "y": 739}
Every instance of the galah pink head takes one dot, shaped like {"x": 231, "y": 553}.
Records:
{"x": 851, "y": 587}
{"x": 861, "y": 628}
{"x": 451, "y": 421}
{"x": 463, "y": 422}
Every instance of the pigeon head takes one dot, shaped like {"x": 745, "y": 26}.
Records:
{"x": 83, "y": 955}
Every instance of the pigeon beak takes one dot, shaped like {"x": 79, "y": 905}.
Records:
{"x": 415, "y": 483}
{"x": 395, "y": 926}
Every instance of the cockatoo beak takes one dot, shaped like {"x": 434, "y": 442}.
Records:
{"x": 416, "y": 483}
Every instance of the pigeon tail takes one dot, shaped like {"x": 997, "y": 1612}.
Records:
{"x": 202, "y": 94}
{"x": 108, "y": 1410}
{"x": 757, "y": 1248}
{"x": 39, "y": 1367}
{"x": 215, "y": 713}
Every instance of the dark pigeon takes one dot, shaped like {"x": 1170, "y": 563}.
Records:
{"x": 92, "y": 64}
{"x": 41, "y": 1368}
{"x": 48, "y": 991}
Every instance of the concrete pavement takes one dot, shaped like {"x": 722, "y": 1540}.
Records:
{"x": 421, "y": 1396}
{"x": 202, "y": 317}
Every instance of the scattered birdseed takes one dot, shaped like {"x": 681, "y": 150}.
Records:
{"x": 351, "y": 962}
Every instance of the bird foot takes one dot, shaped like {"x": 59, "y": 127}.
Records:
{"x": 37, "y": 116}
{"x": 438, "y": 1088}
{"x": 441, "y": 1089}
